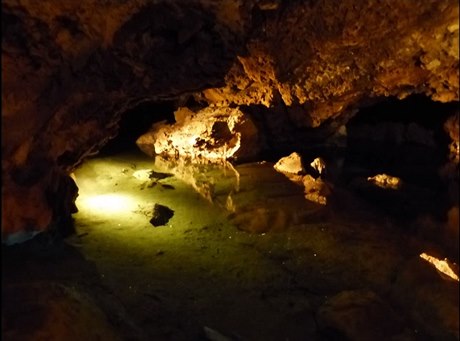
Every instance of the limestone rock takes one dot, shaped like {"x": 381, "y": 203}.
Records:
{"x": 319, "y": 165}
{"x": 291, "y": 164}
{"x": 211, "y": 133}
{"x": 161, "y": 215}
{"x": 326, "y": 77}
{"x": 418, "y": 287}
{"x": 452, "y": 127}
{"x": 385, "y": 181}
{"x": 316, "y": 190}
{"x": 71, "y": 69}
{"x": 52, "y": 311}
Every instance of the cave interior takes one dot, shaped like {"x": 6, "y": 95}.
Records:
{"x": 230, "y": 170}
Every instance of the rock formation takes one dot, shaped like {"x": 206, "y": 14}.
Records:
{"x": 212, "y": 134}
{"x": 299, "y": 68}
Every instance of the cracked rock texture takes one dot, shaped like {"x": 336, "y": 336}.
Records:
{"x": 212, "y": 133}
{"x": 71, "y": 69}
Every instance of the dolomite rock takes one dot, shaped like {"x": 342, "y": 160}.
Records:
{"x": 211, "y": 133}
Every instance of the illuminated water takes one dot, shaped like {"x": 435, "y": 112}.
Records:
{"x": 202, "y": 270}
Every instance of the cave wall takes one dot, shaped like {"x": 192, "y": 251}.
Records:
{"x": 71, "y": 68}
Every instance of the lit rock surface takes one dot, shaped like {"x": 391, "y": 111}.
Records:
{"x": 316, "y": 190}
{"x": 436, "y": 314}
{"x": 291, "y": 164}
{"x": 212, "y": 134}
{"x": 319, "y": 165}
{"x": 70, "y": 69}
{"x": 311, "y": 56}
{"x": 385, "y": 181}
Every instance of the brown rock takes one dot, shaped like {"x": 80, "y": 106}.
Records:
{"x": 161, "y": 215}
{"x": 291, "y": 164}
{"x": 316, "y": 190}
{"x": 359, "y": 315}
{"x": 211, "y": 133}
{"x": 51, "y": 311}
{"x": 431, "y": 300}
{"x": 69, "y": 70}
{"x": 452, "y": 127}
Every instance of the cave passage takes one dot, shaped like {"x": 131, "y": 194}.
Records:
{"x": 240, "y": 251}
{"x": 136, "y": 121}
{"x": 406, "y": 140}
{"x": 405, "y": 137}
{"x": 336, "y": 219}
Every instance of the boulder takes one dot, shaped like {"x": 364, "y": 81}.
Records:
{"x": 291, "y": 164}
{"x": 316, "y": 190}
{"x": 52, "y": 311}
{"x": 161, "y": 215}
{"x": 211, "y": 133}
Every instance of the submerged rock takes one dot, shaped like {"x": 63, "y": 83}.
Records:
{"x": 161, "y": 215}
{"x": 359, "y": 315}
{"x": 316, "y": 190}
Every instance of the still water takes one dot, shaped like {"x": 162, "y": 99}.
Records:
{"x": 246, "y": 257}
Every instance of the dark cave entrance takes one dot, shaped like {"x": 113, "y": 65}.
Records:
{"x": 135, "y": 122}
{"x": 404, "y": 139}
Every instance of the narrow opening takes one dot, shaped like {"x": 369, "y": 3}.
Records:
{"x": 403, "y": 139}
{"x": 136, "y": 122}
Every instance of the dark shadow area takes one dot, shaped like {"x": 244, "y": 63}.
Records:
{"x": 403, "y": 139}
{"x": 42, "y": 279}
{"x": 136, "y": 122}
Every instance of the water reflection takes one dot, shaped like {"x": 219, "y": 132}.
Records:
{"x": 269, "y": 284}
{"x": 258, "y": 198}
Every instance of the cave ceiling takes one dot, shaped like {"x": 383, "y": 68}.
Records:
{"x": 70, "y": 69}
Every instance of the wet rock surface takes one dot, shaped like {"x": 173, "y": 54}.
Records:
{"x": 216, "y": 134}
{"x": 161, "y": 215}
{"x": 253, "y": 78}
{"x": 291, "y": 164}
